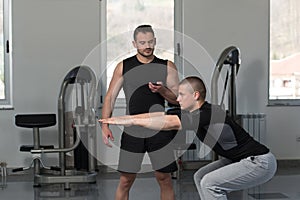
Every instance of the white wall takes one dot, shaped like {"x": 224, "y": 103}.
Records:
{"x": 283, "y": 130}
{"x": 51, "y": 37}
{"x": 218, "y": 24}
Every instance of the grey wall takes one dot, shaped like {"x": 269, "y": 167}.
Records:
{"x": 218, "y": 24}
{"x": 51, "y": 37}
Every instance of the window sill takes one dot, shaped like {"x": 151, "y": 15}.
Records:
{"x": 283, "y": 103}
{"x": 2, "y": 107}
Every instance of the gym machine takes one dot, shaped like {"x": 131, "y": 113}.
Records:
{"x": 78, "y": 87}
{"x": 230, "y": 57}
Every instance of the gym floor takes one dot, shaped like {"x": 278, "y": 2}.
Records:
{"x": 285, "y": 185}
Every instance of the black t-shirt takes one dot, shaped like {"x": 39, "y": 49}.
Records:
{"x": 217, "y": 130}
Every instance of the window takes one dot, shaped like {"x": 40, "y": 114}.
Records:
{"x": 284, "y": 79}
{"x": 120, "y": 20}
{"x": 5, "y": 56}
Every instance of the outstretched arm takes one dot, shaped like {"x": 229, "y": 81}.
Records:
{"x": 155, "y": 121}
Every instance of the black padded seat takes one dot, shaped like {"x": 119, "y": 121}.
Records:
{"x": 35, "y": 120}
{"x": 28, "y": 148}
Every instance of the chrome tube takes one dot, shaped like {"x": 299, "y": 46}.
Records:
{"x": 230, "y": 56}
{"x": 84, "y": 122}
{"x": 88, "y": 118}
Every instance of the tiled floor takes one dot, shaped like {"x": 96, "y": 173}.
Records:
{"x": 285, "y": 185}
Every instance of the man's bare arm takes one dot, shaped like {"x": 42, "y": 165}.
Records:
{"x": 172, "y": 83}
{"x": 155, "y": 121}
{"x": 109, "y": 101}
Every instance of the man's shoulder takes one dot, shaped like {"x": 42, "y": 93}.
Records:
{"x": 160, "y": 60}
{"x": 130, "y": 58}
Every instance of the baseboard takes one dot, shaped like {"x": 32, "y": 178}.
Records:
{"x": 187, "y": 165}
{"x": 288, "y": 163}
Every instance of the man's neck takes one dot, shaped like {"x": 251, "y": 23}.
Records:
{"x": 144, "y": 59}
{"x": 198, "y": 105}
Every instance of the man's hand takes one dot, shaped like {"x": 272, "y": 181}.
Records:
{"x": 123, "y": 120}
{"x": 107, "y": 135}
{"x": 155, "y": 86}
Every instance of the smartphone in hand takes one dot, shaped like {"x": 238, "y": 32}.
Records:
{"x": 155, "y": 83}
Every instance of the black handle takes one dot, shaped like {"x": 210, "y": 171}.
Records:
{"x": 17, "y": 169}
{"x": 7, "y": 46}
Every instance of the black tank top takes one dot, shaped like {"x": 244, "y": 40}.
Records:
{"x": 139, "y": 98}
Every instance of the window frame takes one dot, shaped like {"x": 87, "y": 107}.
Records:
{"x": 275, "y": 102}
{"x": 178, "y": 40}
{"x": 7, "y": 102}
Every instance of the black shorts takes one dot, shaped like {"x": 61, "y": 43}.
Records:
{"x": 158, "y": 145}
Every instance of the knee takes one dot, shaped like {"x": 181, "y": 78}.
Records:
{"x": 210, "y": 185}
{"x": 126, "y": 182}
{"x": 163, "y": 178}
{"x": 206, "y": 182}
{"x": 198, "y": 177}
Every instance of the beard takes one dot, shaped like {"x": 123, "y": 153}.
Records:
{"x": 146, "y": 52}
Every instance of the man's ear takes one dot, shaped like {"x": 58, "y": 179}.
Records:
{"x": 134, "y": 44}
{"x": 196, "y": 95}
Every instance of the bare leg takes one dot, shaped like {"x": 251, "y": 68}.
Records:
{"x": 166, "y": 187}
{"x": 125, "y": 183}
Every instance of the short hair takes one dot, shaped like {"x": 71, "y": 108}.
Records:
{"x": 196, "y": 84}
{"x": 142, "y": 29}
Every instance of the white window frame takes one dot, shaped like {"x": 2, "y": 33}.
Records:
{"x": 178, "y": 6}
{"x": 276, "y": 102}
{"x": 7, "y": 103}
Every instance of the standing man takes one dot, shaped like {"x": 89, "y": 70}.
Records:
{"x": 147, "y": 82}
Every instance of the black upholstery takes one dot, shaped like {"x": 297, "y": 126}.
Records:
{"x": 28, "y": 148}
{"x": 35, "y": 120}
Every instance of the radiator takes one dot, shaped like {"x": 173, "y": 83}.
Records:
{"x": 253, "y": 123}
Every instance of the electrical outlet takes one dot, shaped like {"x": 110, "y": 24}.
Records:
{"x": 298, "y": 139}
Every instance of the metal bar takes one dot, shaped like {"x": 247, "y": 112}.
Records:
{"x": 230, "y": 56}
{"x": 36, "y": 145}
